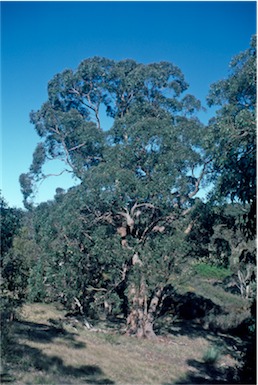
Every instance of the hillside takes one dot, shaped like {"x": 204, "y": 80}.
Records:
{"x": 49, "y": 348}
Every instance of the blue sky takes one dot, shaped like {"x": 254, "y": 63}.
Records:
{"x": 40, "y": 39}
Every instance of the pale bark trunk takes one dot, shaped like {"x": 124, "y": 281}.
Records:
{"x": 140, "y": 321}
{"x": 140, "y": 325}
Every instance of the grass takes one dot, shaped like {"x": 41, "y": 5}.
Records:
{"x": 205, "y": 280}
{"x": 218, "y": 295}
{"x": 47, "y": 354}
{"x": 211, "y": 355}
{"x": 211, "y": 272}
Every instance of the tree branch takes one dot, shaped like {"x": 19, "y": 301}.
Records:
{"x": 76, "y": 147}
{"x": 198, "y": 180}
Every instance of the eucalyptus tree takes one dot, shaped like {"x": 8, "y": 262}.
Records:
{"x": 232, "y": 131}
{"x": 232, "y": 146}
{"x": 139, "y": 179}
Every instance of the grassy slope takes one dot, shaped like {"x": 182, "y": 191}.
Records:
{"x": 49, "y": 351}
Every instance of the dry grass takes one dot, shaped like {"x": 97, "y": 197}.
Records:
{"x": 49, "y": 351}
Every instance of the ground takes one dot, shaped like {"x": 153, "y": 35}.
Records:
{"x": 50, "y": 348}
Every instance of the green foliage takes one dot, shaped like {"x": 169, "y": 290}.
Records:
{"x": 17, "y": 263}
{"x": 36, "y": 288}
{"x": 139, "y": 177}
{"x": 232, "y": 135}
{"x": 26, "y": 183}
{"x": 11, "y": 279}
{"x": 219, "y": 239}
{"x": 211, "y": 272}
{"x": 143, "y": 100}
{"x": 11, "y": 220}
{"x": 38, "y": 159}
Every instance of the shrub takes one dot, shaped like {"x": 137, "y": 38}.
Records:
{"x": 211, "y": 355}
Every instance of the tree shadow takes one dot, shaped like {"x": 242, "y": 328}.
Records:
{"x": 193, "y": 317}
{"x": 25, "y": 358}
{"x": 193, "y": 320}
{"x": 205, "y": 373}
{"x": 44, "y": 333}
{"x": 189, "y": 306}
{"x": 39, "y": 332}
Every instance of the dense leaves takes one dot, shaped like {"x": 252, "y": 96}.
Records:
{"x": 233, "y": 130}
{"x": 144, "y": 101}
{"x": 11, "y": 220}
{"x": 232, "y": 144}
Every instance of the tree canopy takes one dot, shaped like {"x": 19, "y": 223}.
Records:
{"x": 233, "y": 130}
{"x": 145, "y": 101}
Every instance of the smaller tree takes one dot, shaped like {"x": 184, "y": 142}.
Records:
{"x": 11, "y": 220}
{"x": 19, "y": 260}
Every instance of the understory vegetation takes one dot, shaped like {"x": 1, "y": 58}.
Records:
{"x": 133, "y": 276}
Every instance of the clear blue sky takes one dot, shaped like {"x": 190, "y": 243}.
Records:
{"x": 40, "y": 39}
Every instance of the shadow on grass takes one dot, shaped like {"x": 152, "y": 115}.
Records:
{"x": 23, "y": 358}
{"x": 194, "y": 316}
{"x": 193, "y": 312}
{"x": 39, "y": 332}
{"x": 29, "y": 359}
{"x": 186, "y": 310}
{"x": 43, "y": 333}
{"x": 204, "y": 373}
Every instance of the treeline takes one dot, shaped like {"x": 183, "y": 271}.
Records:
{"x": 116, "y": 242}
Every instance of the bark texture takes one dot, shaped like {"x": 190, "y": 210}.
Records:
{"x": 140, "y": 321}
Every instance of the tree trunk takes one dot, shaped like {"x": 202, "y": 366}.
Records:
{"x": 140, "y": 321}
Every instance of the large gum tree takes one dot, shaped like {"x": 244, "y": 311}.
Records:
{"x": 139, "y": 178}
